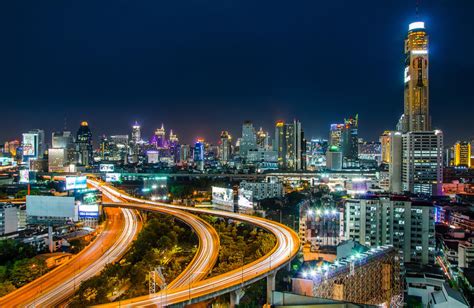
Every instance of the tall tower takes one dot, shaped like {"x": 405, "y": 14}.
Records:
{"x": 136, "y": 134}
{"x": 416, "y": 97}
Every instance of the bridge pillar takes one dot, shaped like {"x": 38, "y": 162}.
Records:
{"x": 235, "y": 297}
{"x": 270, "y": 287}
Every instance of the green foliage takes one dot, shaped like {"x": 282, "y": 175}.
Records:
{"x": 26, "y": 270}
{"x": 163, "y": 241}
{"x": 6, "y": 287}
{"x": 11, "y": 250}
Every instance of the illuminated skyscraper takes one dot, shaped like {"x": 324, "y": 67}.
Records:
{"x": 84, "y": 144}
{"x": 335, "y": 134}
{"x": 136, "y": 133}
{"x": 248, "y": 141}
{"x": 290, "y": 145}
{"x": 159, "y": 139}
{"x": 462, "y": 154}
{"x": 416, "y": 108}
{"x": 385, "y": 145}
{"x": 263, "y": 139}
{"x": 225, "y": 147}
{"x": 349, "y": 138}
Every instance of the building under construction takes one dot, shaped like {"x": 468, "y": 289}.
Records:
{"x": 370, "y": 278}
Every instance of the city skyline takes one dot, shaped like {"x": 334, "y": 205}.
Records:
{"x": 280, "y": 77}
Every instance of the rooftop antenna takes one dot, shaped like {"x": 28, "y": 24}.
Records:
{"x": 65, "y": 123}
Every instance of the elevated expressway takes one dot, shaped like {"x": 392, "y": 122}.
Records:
{"x": 58, "y": 285}
{"x": 286, "y": 248}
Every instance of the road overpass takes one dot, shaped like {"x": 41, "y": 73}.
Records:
{"x": 232, "y": 282}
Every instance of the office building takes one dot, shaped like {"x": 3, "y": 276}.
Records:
{"x": 263, "y": 190}
{"x": 416, "y": 116}
{"x": 8, "y": 218}
{"x": 290, "y": 145}
{"x": 225, "y": 147}
{"x": 84, "y": 145}
{"x": 422, "y": 162}
{"x": 33, "y": 144}
{"x": 462, "y": 154}
{"x": 385, "y": 147}
{"x": 184, "y": 153}
{"x": 405, "y": 224}
{"x": 62, "y": 140}
{"x": 263, "y": 139}
{"x": 316, "y": 153}
{"x": 334, "y": 158}
{"x": 136, "y": 133}
{"x": 249, "y": 139}
{"x": 349, "y": 138}
{"x": 57, "y": 160}
{"x": 394, "y": 157}
{"x": 159, "y": 138}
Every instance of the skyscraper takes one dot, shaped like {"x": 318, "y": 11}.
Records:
{"x": 416, "y": 110}
{"x": 422, "y": 162}
{"x": 136, "y": 133}
{"x": 263, "y": 139}
{"x": 349, "y": 138}
{"x": 159, "y": 139}
{"x": 290, "y": 145}
{"x": 84, "y": 144}
{"x": 335, "y": 134}
{"x": 462, "y": 154}
{"x": 249, "y": 139}
{"x": 225, "y": 147}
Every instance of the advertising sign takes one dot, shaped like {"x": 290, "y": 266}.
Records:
{"x": 76, "y": 182}
{"x": 106, "y": 168}
{"x": 88, "y": 211}
{"x": 30, "y": 145}
{"x": 24, "y": 176}
{"x": 222, "y": 196}
{"x": 52, "y": 208}
{"x": 245, "y": 198}
{"x": 112, "y": 177}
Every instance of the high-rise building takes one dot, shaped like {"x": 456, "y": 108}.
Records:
{"x": 84, "y": 145}
{"x": 136, "y": 133}
{"x": 462, "y": 154}
{"x": 422, "y": 162}
{"x": 290, "y": 145}
{"x": 395, "y": 161}
{"x": 249, "y": 139}
{"x": 407, "y": 225}
{"x": 333, "y": 158}
{"x": 416, "y": 110}
{"x": 159, "y": 139}
{"x": 385, "y": 146}
{"x": 198, "y": 153}
{"x": 335, "y": 134}
{"x": 33, "y": 144}
{"x": 263, "y": 139}
{"x": 349, "y": 138}
{"x": 184, "y": 153}
{"x": 316, "y": 153}
{"x": 62, "y": 140}
{"x": 225, "y": 147}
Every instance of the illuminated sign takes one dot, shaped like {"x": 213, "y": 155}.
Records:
{"x": 416, "y": 25}
{"x": 88, "y": 211}
{"x": 407, "y": 76}
{"x": 419, "y": 52}
{"x": 113, "y": 177}
{"x": 222, "y": 196}
{"x": 76, "y": 182}
{"x": 106, "y": 168}
{"x": 24, "y": 176}
{"x": 30, "y": 145}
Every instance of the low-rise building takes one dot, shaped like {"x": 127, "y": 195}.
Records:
{"x": 8, "y": 218}
{"x": 264, "y": 190}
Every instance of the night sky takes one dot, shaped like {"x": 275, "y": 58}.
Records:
{"x": 205, "y": 66}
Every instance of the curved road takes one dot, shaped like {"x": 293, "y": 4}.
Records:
{"x": 286, "y": 248}
{"x": 207, "y": 252}
{"x": 61, "y": 282}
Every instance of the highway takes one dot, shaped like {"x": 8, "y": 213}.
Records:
{"x": 286, "y": 248}
{"x": 208, "y": 249}
{"x": 59, "y": 284}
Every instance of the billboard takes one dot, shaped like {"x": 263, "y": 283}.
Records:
{"x": 222, "y": 196}
{"x": 112, "y": 177}
{"x": 24, "y": 176}
{"x": 88, "y": 211}
{"x": 76, "y": 182}
{"x": 50, "y": 208}
{"x": 30, "y": 144}
{"x": 245, "y": 198}
{"x": 106, "y": 168}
